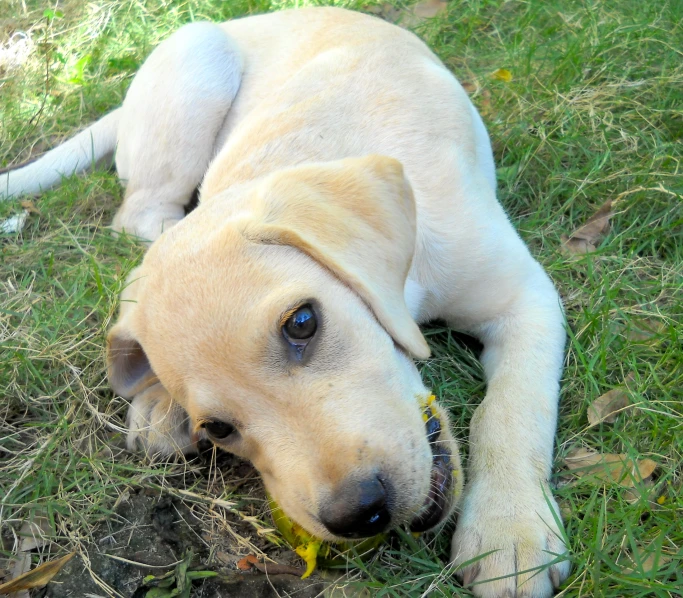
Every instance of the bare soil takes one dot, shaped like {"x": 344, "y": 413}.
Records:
{"x": 151, "y": 531}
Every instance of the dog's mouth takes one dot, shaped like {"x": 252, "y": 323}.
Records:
{"x": 441, "y": 484}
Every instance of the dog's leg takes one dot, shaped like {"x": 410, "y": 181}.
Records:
{"x": 156, "y": 424}
{"x": 499, "y": 293}
{"x": 170, "y": 120}
{"x": 507, "y": 508}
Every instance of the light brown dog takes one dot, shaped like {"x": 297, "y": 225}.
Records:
{"x": 347, "y": 195}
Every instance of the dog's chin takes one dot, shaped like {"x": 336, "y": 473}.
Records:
{"x": 443, "y": 484}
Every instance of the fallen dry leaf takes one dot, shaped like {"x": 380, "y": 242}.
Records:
{"x": 414, "y": 15}
{"x": 639, "y": 491}
{"x": 468, "y": 86}
{"x": 386, "y": 11}
{"x": 428, "y": 9}
{"x": 645, "y": 560}
{"x": 30, "y": 207}
{"x": 585, "y": 238}
{"x": 35, "y": 533}
{"x": 502, "y": 75}
{"x": 619, "y": 469}
{"x": 247, "y": 562}
{"x": 565, "y": 511}
{"x": 20, "y": 565}
{"x": 37, "y": 578}
{"x": 606, "y": 407}
{"x": 485, "y": 102}
{"x": 643, "y": 329}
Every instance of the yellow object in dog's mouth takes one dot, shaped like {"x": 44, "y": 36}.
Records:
{"x": 444, "y": 476}
{"x": 314, "y": 551}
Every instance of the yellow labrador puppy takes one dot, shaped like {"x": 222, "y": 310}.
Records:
{"x": 347, "y": 194}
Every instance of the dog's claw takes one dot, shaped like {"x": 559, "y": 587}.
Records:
{"x": 555, "y": 577}
{"x": 470, "y": 574}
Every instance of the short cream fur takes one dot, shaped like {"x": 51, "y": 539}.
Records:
{"x": 339, "y": 162}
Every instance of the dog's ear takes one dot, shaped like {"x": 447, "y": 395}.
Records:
{"x": 128, "y": 368}
{"x": 357, "y": 218}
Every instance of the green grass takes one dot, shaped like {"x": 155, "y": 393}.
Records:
{"x": 594, "y": 113}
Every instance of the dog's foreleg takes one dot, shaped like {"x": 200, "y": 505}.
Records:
{"x": 171, "y": 117}
{"x": 508, "y": 508}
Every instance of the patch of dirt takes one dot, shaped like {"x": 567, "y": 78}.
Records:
{"x": 150, "y": 533}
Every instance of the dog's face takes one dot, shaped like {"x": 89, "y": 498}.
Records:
{"x": 274, "y": 314}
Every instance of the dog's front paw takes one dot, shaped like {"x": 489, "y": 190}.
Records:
{"x": 157, "y": 425}
{"x": 519, "y": 530}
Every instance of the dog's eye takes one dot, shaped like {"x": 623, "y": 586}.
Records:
{"x": 219, "y": 430}
{"x": 301, "y": 325}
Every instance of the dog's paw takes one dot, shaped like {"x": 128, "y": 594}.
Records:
{"x": 157, "y": 425}
{"x": 519, "y": 530}
{"x": 139, "y": 220}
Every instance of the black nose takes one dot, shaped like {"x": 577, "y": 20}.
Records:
{"x": 357, "y": 509}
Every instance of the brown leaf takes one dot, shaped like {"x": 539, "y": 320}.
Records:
{"x": 644, "y": 329}
{"x": 565, "y": 511}
{"x": 485, "y": 103}
{"x": 385, "y": 11}
{"x": 35, "y": 533}
{"x": 420, "y": 12}
{"x": 29, "y": 206}
{"x": 37, "y": 578}
{"x": 20, "y": 564}
{"x": 606, "y": 407}
{"x": 585, "y": 238}
{"x": 640, "y": 491}
{"x": 618, "y": 469}
{"x": 469, "y": 87}
{"x": 429, "y": 8}
{"x": 247, "y": 562}
{"x": 645, "y": 560}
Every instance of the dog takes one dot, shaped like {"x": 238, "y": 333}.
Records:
{"x": 347, "y": 195}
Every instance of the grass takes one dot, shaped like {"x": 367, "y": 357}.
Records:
{"x": 594, "y": 112}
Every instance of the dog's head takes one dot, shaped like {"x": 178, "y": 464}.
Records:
{"x": 275, "y": 315}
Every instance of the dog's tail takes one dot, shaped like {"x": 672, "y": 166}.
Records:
{"x": 95, "y": 144}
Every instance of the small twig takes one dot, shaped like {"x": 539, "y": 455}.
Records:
{"x": 48, "y": 56}
{"x": 142, "y": 565}
{"x": 277, "y": 569}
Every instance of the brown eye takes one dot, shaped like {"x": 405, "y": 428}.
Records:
{"x": 301, "y": 325}
{"x": 219, "y": 430}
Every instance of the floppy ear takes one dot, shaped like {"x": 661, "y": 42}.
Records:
{"x": 357, "y": 218}
{"x": 128, "y": 368}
